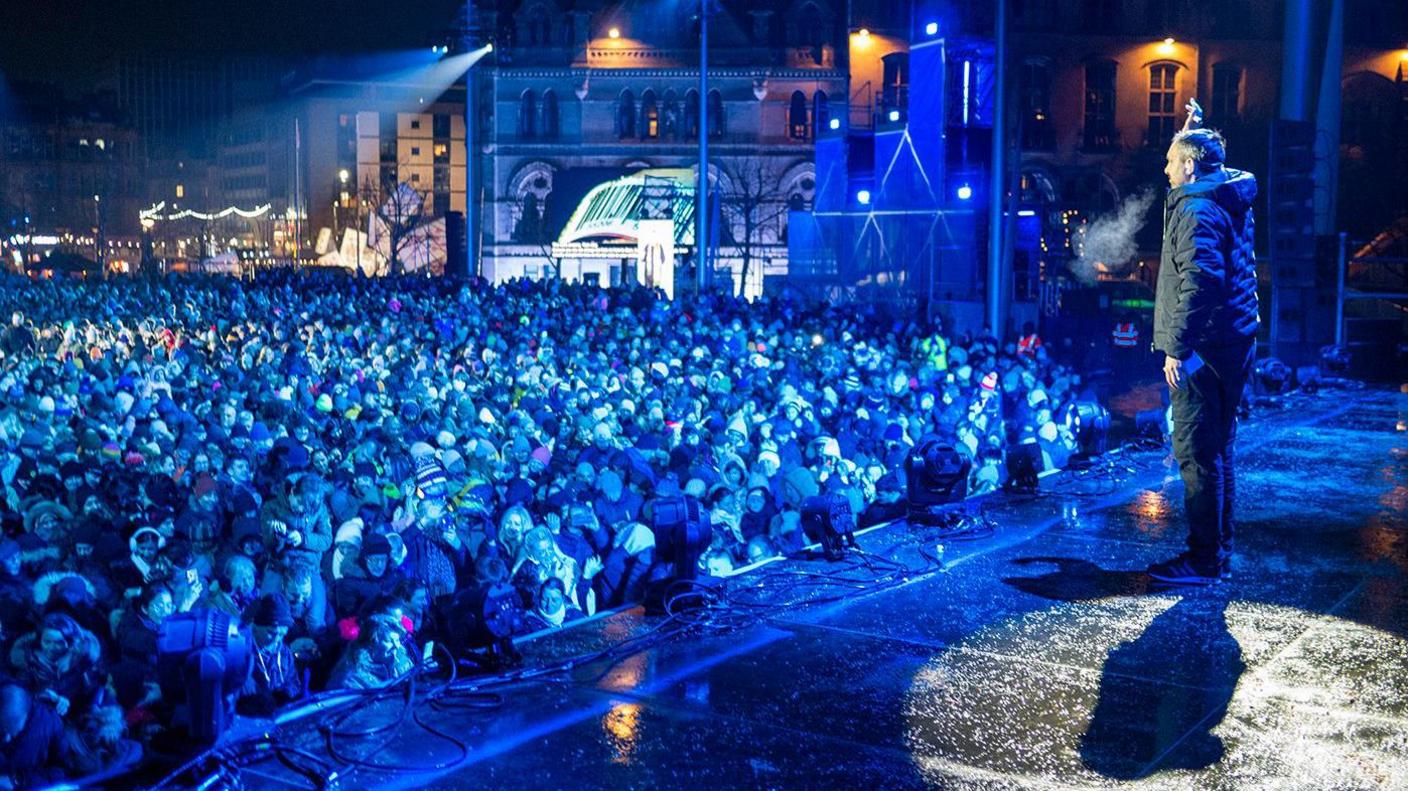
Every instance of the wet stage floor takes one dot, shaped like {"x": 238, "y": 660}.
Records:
{"x": 1037, "y": 657}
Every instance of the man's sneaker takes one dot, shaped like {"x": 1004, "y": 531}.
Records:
{"x": 1183, "y": 571}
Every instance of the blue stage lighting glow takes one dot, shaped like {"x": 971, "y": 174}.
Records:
{"x": 931, "y": 29}
{"x": 835, "y": 123}
{"x": 863, "y": 197}
{"x": 965, "y": 192}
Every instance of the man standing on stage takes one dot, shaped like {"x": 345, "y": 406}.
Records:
{"x": 1205, "y": 322}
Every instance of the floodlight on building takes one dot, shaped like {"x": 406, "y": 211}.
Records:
{"x": 342, "y": 175}
{"x": 863, "y": 197}
{"x": 965, "y": 192}
{"x": 931, "y": 29}
{"x": 614, "y": 32}
{"x": 1166, "y": 47}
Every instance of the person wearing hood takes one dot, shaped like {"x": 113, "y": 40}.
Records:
{"x": 60, "y": 663}
{"x": 1205, "y": 322}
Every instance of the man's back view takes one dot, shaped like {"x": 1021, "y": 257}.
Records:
{"x": 1205, "y": 322}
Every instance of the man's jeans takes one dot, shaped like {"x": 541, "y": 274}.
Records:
{"x": 1204, "y": 427}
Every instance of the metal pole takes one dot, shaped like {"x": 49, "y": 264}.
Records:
{"x": 1327, "y": 122}
{"x": 996, "y": 274}
{"x": 701, "y": 193}
{"x": 1339, "y": 291}
{"x": 1295, "y": 60}
{"x": 471, "y": 193}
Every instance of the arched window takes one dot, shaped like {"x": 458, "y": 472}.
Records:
{"x": 716, "y": 114}
{"x": 811, "y": 31}
{"x": 626, "y": 114}
{"x": 797, "y": 116}
{"x": 691, "y": 112}
{"x": 527, "y": 113}
{"x": 550, "y": 115}
{"x": 649, "y": 115}
{"x": 669, "y": 115}
{"x": 539, "y": 28}
{"x": 530, "y": 220}
{"x": 821, "y": 112}
{"x": 1163, "y": 103}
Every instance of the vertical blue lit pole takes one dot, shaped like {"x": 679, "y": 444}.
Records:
{"x": 471, "y": 194}
{"x": 701, "y": 192}
{"x": 996, "y": 277}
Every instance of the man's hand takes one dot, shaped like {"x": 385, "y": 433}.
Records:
{"x": 1173, "y": 372}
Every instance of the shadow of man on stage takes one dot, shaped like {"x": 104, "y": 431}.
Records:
{"x": 1161, "y": 694}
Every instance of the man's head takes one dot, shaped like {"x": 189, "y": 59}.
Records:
{"x": 1192, "y": 154}
{"x": 14, "y": 711}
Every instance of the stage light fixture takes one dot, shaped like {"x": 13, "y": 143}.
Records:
{"x": 931, "y": 29}
{"x": 863, "y": 197}
{"x": 204, "y": 656}
{"x": 485, "y": 617}
{"x": 936, "y": 474}
{"x": 894, "y": 115}
{"x": 681, "y": 536}
{"x": 1024, "y": 465}
{"x": 827, "y": 520}
{"x": 1089, "y": 423}
{"x": 834, "y": 123}
{"x": 965, "y": 192}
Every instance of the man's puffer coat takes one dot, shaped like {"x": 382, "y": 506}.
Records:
{"x": 1206, "y": 295}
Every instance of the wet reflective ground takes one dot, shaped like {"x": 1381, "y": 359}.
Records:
{"x": 1038, "y": 657}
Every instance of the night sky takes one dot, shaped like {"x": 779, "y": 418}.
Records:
{"x": 56, "y": 40}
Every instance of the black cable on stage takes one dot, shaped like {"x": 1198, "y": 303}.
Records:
{"x": 735, "y": 604}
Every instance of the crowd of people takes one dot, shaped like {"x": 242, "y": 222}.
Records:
{"x": 327, "y": 459}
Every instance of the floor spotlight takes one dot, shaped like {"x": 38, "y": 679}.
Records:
{"x": 936, "y": 475}
{"x": 827, "y": 520}
{"x": 1089, "y": 423}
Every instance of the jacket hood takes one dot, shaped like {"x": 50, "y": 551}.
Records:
{"x": 1231, "y": 189}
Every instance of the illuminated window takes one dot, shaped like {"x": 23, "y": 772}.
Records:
{"x": 1035, "y": 86}
{"x": 441, "y": 152}
{"x": 797, "y": 116}
{"x": 649, "y": 115}
{"x": 180, "y": 190}
{"x": 1163, "y": 102}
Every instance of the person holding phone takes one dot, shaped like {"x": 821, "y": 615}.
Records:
{"x": 1205, "y": 323}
